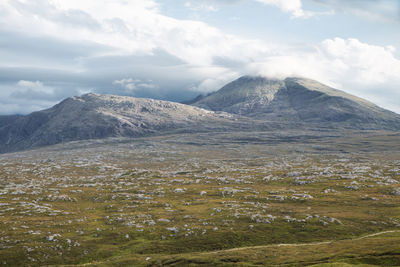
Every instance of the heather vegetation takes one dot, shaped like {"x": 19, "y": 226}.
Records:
{"x": 204, "y": 199}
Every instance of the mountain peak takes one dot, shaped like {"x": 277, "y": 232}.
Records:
{"x": 297, "y": 99}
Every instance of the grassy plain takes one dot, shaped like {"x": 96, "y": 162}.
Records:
{"x": 223, "y": 199}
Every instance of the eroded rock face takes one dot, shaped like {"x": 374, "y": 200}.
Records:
{"x": 298, "y": 99}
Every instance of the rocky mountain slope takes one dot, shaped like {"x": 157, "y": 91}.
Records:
{"x": 248, "y": 103}
{"x": 5, "y": 120}
{"x": 298, "y": 100}
{"x": 98, "y": 116}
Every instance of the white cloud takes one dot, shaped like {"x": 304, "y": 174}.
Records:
{"x": 218, "y": 78}
{"x": 36, "y": 87}
{"x": 27, "y": 96}
{"x": 29, "y": 84}
{"x": 294, "y": 7}
{"x": 130, "y": 27}
{"x": 362, "y": 63}
{"x": 201, "y": 6}
{"x": 336, "y": 59}
{"x": 130, "y": 84}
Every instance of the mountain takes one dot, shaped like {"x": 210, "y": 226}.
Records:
{"x": 248, "y": 103}
{"x": 194, "y": 100}
{"x": 8, "y": 119}
{"x": 98, "y": 116}
{"x": 297, "y": 100}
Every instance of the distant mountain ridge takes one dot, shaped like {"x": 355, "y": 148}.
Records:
{"x": 297, "y": 99}
{"x": 248, "y": 103}
{"x": 94, "y": 116}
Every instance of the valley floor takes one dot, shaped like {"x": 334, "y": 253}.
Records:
{"x": 222, "y": 199}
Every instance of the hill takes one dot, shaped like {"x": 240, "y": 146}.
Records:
{"x": 298, "y": 100}
{"x": 94, "y": 116}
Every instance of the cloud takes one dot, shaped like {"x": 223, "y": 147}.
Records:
{"x": 30, "y": 84}
{"x": 201, "y": 6}
{"x": 347, "y": 64}
{"x": 364, "y": 63}
{"x": 26, "y": 96}
{"x": 294, "y": 7}
{"x": 344, "y": 59}
{"x": 55, "y": 49}
{"x": 130, "y": 84}
{"x": 386, "y": 10}
{"x": 381, "y": 10}
{"x": 129, "y": 27}
{"x": 125, "y": 39}
{"x": 32, "y": 90}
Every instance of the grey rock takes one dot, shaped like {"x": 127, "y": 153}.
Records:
{"x": 395, "y": 192}
{"x": 296, "y": 100}
{"x": 6, "y": 120}
{"x": 94, "y": 116}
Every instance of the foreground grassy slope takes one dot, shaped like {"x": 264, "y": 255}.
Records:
{"x": 191, "y": 199}
{"x": 382, "y": 249}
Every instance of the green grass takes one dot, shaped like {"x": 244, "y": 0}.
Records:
{"x": 133, "y": 215}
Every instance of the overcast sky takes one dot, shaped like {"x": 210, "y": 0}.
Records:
{"x": 176, "y": 49}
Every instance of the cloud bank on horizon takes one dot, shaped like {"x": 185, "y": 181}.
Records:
{"x": 176, "y": 49}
